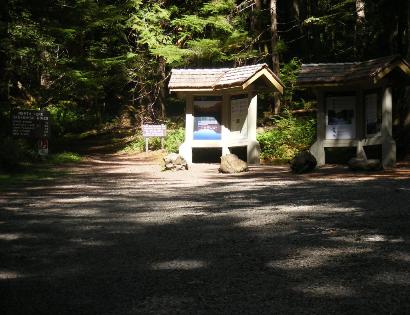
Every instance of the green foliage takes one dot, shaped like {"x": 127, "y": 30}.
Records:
{"x": 180, "y": 36}
{"x": 190, "y": 24}
{"x": 136, "y": 145}
{"x": 207, "y": 49}
{"x": 29, "y": 173}
{"x": 172, "y": 141}
{"x": 218, "y": 7}
{"x": 13, "y": 152}
{"x": 173, "y": 55}
{"x": 221, "y": 24}
{"x": 280, "y": 47}
{"x": 26, "y": 166}
{"x": 288, "y": 74}
{"x": 68, "y": 117}
{"x": 17, "y": 154}
{"x": 87, "y": 60}
{"x": 64, "y": 157}
{"x": 289, "y": 136}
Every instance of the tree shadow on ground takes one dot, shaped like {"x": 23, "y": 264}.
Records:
{"x": 132, "y": 243}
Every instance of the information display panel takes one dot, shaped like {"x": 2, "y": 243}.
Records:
{"x": 341, "y": 117}
{"x": 207, "y": 118}
{"x": 239, "y": 115}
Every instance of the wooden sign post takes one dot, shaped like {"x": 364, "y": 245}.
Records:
{"x": 149, "y": 131}
{"x": 32, "y": 124}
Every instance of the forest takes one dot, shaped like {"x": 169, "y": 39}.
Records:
{"x": 93, "y": 62}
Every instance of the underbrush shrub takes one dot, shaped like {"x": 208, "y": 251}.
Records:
{"x": 14, "y": 152}
{"x": 64, "y": 157}
{"x": 137, "y": 144}
{"x": 172, "y": 141}
{"x": 68, "y": 117}
{"x": 289, "y": 136}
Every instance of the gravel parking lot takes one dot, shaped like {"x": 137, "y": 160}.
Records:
{"x": 118, "y": 236}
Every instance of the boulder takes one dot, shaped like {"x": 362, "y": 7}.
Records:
{"x": 360, "y": 164}
{"x": 230, "y": 163}
{"x": 175, "y": 162}
{"x": 303, "y": 162}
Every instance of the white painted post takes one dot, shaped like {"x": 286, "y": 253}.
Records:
{"x": 253, "y": 148}
{"x": 317, "y": 149}
{"x": 226, "y": 106}
{"x": 387, "y": 109}
{"x": 388, "y": 143}
{"x": 360, "y": 125}
{"x": 186, "y": 148}
{"x": 360, "y": 152}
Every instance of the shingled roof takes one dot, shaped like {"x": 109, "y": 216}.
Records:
{"x": 222, "y": 78}
{"x": 322, "y": 74}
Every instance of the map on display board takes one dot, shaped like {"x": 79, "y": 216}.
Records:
{"x": 207, "y": 117}
{"x": 239, "y": 115}
{"x": 341, "y": 117}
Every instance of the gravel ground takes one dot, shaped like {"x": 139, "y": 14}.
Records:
{"x": 118, "y": 236}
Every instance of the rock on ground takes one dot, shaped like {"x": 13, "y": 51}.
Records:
{"x": 230, "y": 163}
{"x": 360, "y": 164}
{"x": 175, "y": 162}
{"x": 303, "y": 162}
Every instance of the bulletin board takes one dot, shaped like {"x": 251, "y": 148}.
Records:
{"x": 239, "y": 116}
{"x": 341, "y": 117}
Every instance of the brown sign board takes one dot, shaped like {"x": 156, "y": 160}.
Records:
{"x": 154, "y": 131}
{"x": 30, "y": 123}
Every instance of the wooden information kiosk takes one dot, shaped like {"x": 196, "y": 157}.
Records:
{"x": 221, "y": 107}
{"x": 355, "y": 103}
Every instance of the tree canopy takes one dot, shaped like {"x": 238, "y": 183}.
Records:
{"x": 87, "y": 60}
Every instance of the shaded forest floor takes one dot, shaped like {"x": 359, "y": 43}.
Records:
{"x": 107, "y": 141}
{"x": 118, "y": 236}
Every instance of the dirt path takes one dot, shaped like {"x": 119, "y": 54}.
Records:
{"x": 118, "y": 236}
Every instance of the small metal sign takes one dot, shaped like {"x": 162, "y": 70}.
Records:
{"x": 149, "y": 131}
{"x": 30, "y": 123}
{"x": 43, "y": 147}
{"x": 154, "y": 130}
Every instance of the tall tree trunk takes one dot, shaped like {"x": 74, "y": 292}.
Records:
{"x": 162, "y": 88}
{"x": 275, "y": 54}
{"x": 305, "y": 47}
{"x": 274, "y": 36}
{"x": 406, "y": 120}
{"x": 408, "y": 32}
{"x": 360, "y": 12}
{"x": 394, "y": 32}
{"x": 359, "y": 28}
{"x": 317, "y": 47}
{"x": 255, "y": 18}
{"x": 256, "y": 26}
{"x": 296, "y": 9}
{"x": 4, "y": 78}
{"x": 402, "y": 27}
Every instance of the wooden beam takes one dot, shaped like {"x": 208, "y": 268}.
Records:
{"x": 264, "y": 72}
{"x": 191, "y": 90}
{"x": 403, "y": 66}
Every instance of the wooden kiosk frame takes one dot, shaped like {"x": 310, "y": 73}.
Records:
{"x": 355, "y": 104}
{"x": 221, "y": 107}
